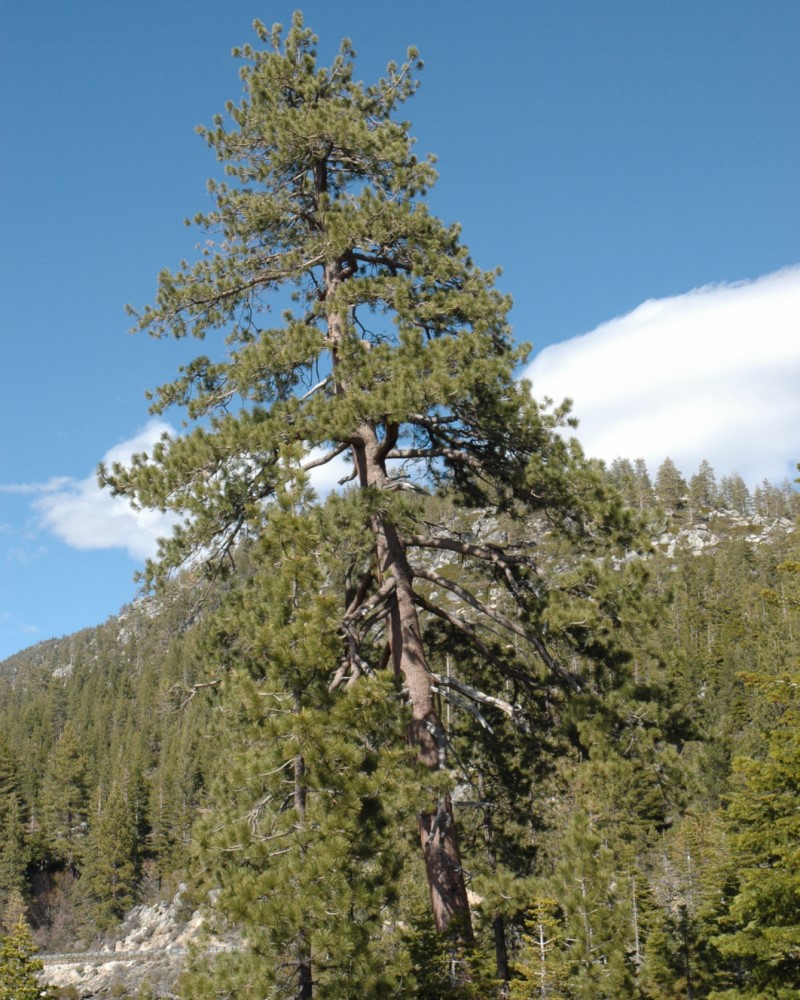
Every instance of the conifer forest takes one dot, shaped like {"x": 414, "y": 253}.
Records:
{"x": 490, "y": 719}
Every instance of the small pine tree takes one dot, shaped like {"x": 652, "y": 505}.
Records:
{"x": 703, "y": 490}
{"x": 19, "y": 967}
{"x": 540, "y": 967}
{"x": 693, "y": 881}
{"x": 589, "y": 887}
{"x": 671, "y": 487}
{"x": 642, "y": 485}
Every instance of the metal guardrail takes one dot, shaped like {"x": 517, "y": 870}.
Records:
{"x": 105, "y": 957}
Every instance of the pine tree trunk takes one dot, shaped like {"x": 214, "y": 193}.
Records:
{"x": 426, "y": 734}
{"x": 449, "y": 902}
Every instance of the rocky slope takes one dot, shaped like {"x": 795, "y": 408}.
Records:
{"x": 145, "y": 959}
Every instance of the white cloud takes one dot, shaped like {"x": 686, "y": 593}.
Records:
{"x": 86, "y": 517}
{"x": 712, "y": 374}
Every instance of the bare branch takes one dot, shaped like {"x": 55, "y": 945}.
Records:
{"x": 466, "y": 704}
{"x": 315, "y": 388}
{"x": 187, "y": 694}
{"x": 314, "y": 463}
{"x": 455, "y": 455}
{"x": 512, "y": 711}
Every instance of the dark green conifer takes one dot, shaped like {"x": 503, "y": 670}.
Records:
{"x": 764, "y": 939}
{"x": 64, "y": 798}
{"x": 14, "y": 854}
{"x": 671, "y": 488}
{"x": 9, "y": 781}
{"x": 111, "y": 867}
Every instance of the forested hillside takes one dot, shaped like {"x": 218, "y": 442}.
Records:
{"x": 615, "y": 845}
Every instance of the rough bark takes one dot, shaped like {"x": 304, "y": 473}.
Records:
{"x": 449, "y": 902}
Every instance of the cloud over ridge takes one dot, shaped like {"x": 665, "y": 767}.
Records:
{"x": 713, "y": 373}
{"x": 84, "y": 516}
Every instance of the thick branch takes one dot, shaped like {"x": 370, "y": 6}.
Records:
{"x": 187, "y": 694}
{"x": 358, "y": 610}
{"x": 464, "y": 627}
{"x": 505, "y": 668}
{"x": 474, "y": 602}
{"x": 453, "y": 454}
{"x": 364, "y": 584}
{"x": 314, "y": 463}
{"x": 464, "y": 703}
{"x": 501, "y": 558}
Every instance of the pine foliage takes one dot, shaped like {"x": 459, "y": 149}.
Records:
{"x": 19, "y": 967}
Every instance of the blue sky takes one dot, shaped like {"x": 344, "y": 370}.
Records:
{"x": 613, "y": 158}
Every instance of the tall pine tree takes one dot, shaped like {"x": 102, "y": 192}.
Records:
{"x": 396, "y": 354}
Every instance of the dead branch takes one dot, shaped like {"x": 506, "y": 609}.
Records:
{"x": 468, "y": 691}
